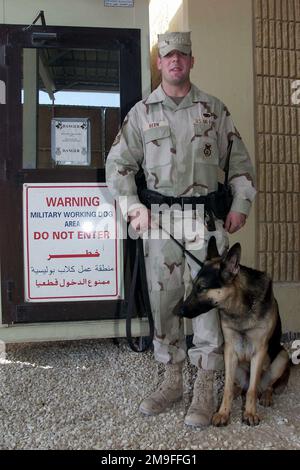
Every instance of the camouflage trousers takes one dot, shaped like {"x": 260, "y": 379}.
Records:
{"x": 169, "y": 277}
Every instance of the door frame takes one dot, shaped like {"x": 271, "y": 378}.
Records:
{"x": 13, "y": 38}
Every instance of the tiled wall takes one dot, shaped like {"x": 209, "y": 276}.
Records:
{"x": 277, "y": 58}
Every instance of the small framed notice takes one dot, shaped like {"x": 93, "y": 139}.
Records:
{"x": 118, "y": 3}
{"x": 71, "y": 141}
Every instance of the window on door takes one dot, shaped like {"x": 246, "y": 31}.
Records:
{"x": 71, "y": 106}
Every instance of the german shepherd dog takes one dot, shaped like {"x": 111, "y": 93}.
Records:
{"x": 255, "y": 361}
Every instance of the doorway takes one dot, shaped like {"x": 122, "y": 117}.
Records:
{"x": 59, "y": 78}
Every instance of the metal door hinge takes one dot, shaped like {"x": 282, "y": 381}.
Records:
{"x": 19, "y": 178}
{"x": 3, "y": 56}
{"x": 9, "y": 290}
{"x": 5, "y": 172}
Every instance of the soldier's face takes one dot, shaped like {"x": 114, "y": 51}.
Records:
{"x": 175, "y": 67}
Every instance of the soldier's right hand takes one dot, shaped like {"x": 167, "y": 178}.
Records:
{"x": 140, "y": 219}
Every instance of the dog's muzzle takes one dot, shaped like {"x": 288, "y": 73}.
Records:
{"x": 187, "y": 311}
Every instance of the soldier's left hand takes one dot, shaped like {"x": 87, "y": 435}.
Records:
{"x": 234, "y": 221}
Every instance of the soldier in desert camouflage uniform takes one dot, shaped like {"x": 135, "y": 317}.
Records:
{"x": 179, "y": 137}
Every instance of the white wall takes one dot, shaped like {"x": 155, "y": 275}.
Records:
{"x": 84, "y": 13}
{"x": 223, "y": 50}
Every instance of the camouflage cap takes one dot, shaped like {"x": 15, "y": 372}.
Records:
{"x": 168, "y": 42}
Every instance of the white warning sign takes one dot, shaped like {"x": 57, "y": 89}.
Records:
{"x": 72, "y": 244}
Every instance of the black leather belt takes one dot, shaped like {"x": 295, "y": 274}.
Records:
{"x": 148, "y": 197}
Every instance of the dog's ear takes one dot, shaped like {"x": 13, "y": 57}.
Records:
{"x": 212, "y": 250}
{"x": 231, "y": 263}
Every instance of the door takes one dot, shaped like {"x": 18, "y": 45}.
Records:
{"x": 57, "y": 76}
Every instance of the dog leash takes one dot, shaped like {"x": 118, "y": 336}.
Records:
{"x": 139, "y": 268}
{"x": 196, "y": 260}
{"x": 144, "y": 301}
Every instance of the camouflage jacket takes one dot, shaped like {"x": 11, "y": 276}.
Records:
{"x": 180, "y": 149}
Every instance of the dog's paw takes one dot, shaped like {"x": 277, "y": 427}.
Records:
{"x": 266, "y": 398}
{"x": 220, "y": 419}
{"x": 252, "y": 419}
